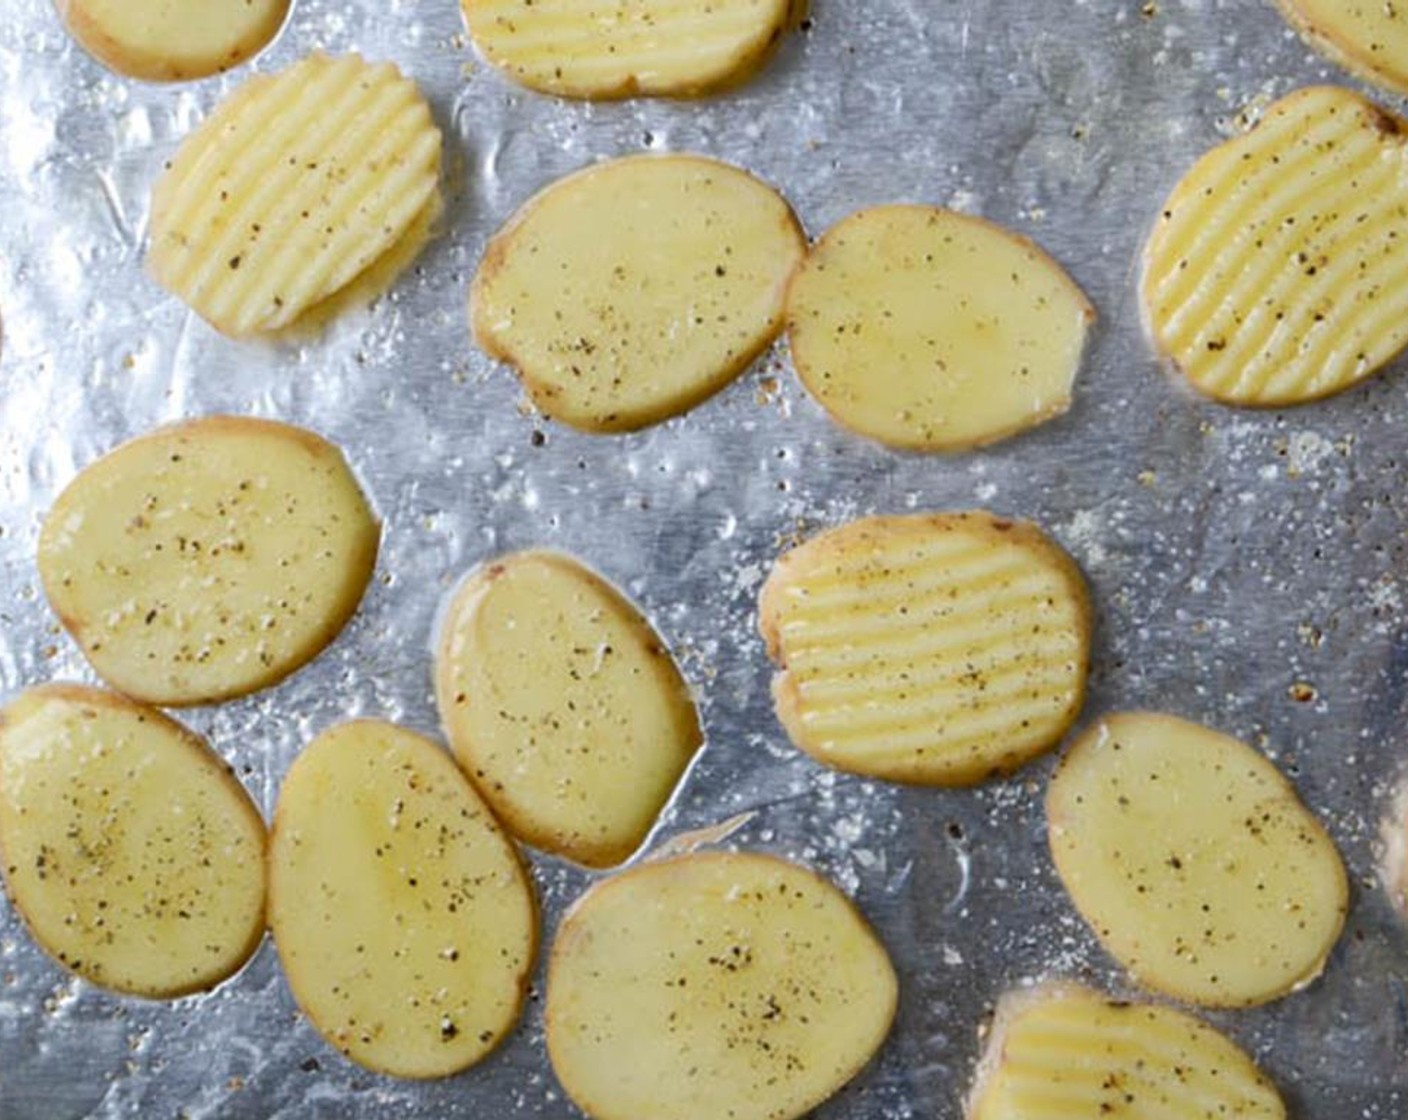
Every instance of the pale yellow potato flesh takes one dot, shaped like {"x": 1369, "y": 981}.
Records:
{"x": 930, "y": 330}
{"x": 1369, "y": 37}
{"x": 1194, "y": 861}
{"x": 632, "y": 290}
{"x": 402, "y": 915}
{"x": 1275, "y": 272}
{"x": 1064, "y": 1052}
{"x": 172, "y": 40}
{"x": 295, "y": 185}
{"x": 620, "y": 48}
{"x": 135, "y": 857}
{"x": 563, "y": 706}
{"x": 938, "y": 649}
{"x": 208, "y": 559}
{"x": 714, "y": 986}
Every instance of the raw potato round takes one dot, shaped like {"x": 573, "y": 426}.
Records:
{"x": 619, "y": 48}
{"x": 714, "y": 986}
{"x": 173, "y": 40}
{"x": 934, "y": 648}
{"x": 1194, "y": 861}
{"x": 208, "y": 559}
{"x": 402, "y": 916}
{"x": 294, "y": 186}
{"x": 1369, "y": 37}
{"x": 1275, "y": 273}
{"x": 563, "y": 705}
{"x": 1065, "y": 1052}
{"x": 934, "y": 331}
{"x": 134, "y": 855}
{"x": 629, "y": 292}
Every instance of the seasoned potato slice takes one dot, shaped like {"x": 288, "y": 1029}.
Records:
{"x": 934, "y": 331}
{"x": 632, "y": 290}
{"x": 134, "y": 855}
{"x": 714, "y": 986}
{"x": 563, "y": 705}
{"x": 1275, "y": 272}
{"x": 933, "y": 648}
{"x": 1194, "y": 861}
{"x": 172, "y": 40}
{"x": 400, "y": 911}
{"x": 296, "y": 184}
{"x": 208, "y": 559}
{"x": 1064, "y": 1052}
{"x": 1369, "y": 37}
{"x": 618, "y": 48}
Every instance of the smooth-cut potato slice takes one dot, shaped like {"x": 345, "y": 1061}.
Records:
{"x": 172, "y": 40}
{"x": 563, "y": 705}
{"x": 618, "y": 48}
{"x": 400, "y": 911}
{"x": 714, "y": 986}
{"x": 934, "y": 331}
{"x": 208, "y": 559}
{"x": 1393, "y": 864}
{"x": 1194, "y": 861}
{"x": 134, "y": 855}
{"x": 933, "y": 648}
{"x": 1369, "y": 37}
{"x": 1275, "y": 273}
{"x": 297, "y": 183}
{"x": 1064, "y": 1052}
{"x": 631, "y": 291}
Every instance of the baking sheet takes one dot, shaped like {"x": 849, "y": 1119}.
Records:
{"x": 1248, "y": 567}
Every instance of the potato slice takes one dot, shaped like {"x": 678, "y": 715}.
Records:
{"x": 1275, "y": 274}
{"x": 208, "y": 559}
{"x": 563, "y": 705}
{"x": 934, "y": 331}
{"x": 400, "y": 911}
{"x": 172, "y": 40}
{"x": 1063, "y": 1051}
{"x": 631, "y": 291}
{"x": 134, "y": 855}
{"x": 1194, "y": 861}
{"x": 714, "y": 986}
{"x": 1370, "y": 38}
{"x": 934, "y": 648}
{"x": 628, "y": 47}
{"x": 296, "y": 184}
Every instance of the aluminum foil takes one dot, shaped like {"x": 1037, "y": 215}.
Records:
{"x": 1249, "y": 567}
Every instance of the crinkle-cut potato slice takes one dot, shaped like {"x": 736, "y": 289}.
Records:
{"x": 1277, "y": 272}
{"x": 208, "y": 559}
{"x": 714, "y": 986}
{"x": 930, "y": 330}
{"x": 173, "y": 40}
{"x": 563, "y": 706}
{"x": 1063, "y": 1052}
{"x": 297, "y": 184}
{"x": 939, "y": 649}
{"x": 1368, "y": 37}
{"x": 620, "y": 48}
{"x": 630, "y": 291}
{"x": 134, "y": 855}
{"x": 1194, "y": 861}
{"x": 402, "y": 914}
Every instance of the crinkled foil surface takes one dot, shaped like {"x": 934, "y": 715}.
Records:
{"x": 1249, "y": 568}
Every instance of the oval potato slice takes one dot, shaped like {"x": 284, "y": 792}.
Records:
{"x": 714, "y": 986}
{"x": 939, "y": 649}
{"x": 295, "y": 185}
{"x": 1275, "y": 272}
{"x": 208, "y": 559}
{"x": 134, "y": 855}
{"x": 1368, "y": 37}
{"x": 1063, "y": 1051}
{"x": 563, "y": 706}
{"x": 632, "y": 290}
{"x": 1193, "y": 860}
{"x": 401, "y": 913}
{"x": 934, "y": 331}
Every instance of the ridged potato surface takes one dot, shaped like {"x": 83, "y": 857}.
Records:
{"x": 933, "y": 648}
{"x": 1369, "y": 37}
